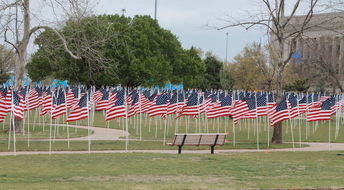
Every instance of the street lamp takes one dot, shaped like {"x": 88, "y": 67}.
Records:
{"x": 226, "y": 47}
{"x": 156, "y": 6}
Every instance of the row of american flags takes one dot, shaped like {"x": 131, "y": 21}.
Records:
{"x": 77, "y": 102}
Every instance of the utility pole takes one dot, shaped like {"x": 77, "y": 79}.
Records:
{"x": 123, "y": 11}
{"x": 226, "y": 48}
{"x": 156, "y": 7}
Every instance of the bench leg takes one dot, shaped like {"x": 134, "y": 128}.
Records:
{"x": 179, "y": 149}
{"x": 212, "y": 149}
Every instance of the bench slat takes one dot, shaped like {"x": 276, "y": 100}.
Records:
{"x": 192, "y": 140}
{"x": 206, "y": 139}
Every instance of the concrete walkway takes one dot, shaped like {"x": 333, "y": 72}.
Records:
{"x": 98, "y": 133}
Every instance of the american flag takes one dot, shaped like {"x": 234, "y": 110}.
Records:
{"x": 271, "y": 100}
{"x": 293, "y": 107}
{"x": 23, "y": 92}
{"x": 134, "y": 103}
{"x": 317, "y": 112}
{"x": 3, "y": 107}
{"x": 117, "y": 109}
{"x": 35, "y": 98}
{"x": 5, "y": 102}
{"x": 79, "y": 110}
{"x": 172, "y": 104}
{"x": 180, "y": 104}
{"x": 239, "y": 109}
{"x": 323, "y": 97}
{"x": 47, "y": 102}
{"x": 18, "y": 105}
{"x": 214, "y": 105}
{"x": 59, "y": 104}
{"x": 103, "y": 103}
{"x": 97, "y": 96}
{"x": 251, "y": 103}
{"x": 70, "y": 98}
{"x": 160, "y": 107}
{"x": 303, "y": 105}
{"x": 279, "y": 113}
{"x": 191, "y": 108}
{"x": 147, "y": 100}
{"x": 262, "y": 105}
{"x": 203, "y": 104}
{"x": 220, "y": 108}
{"x": 334, "y": 105}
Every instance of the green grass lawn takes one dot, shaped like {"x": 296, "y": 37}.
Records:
{"x": 153, "y": 131}
{"x": 43, "y": 132}
{"x": 120, "y": 145}
{"x": 245, "y": 131}
{"x": 164, "y": 171}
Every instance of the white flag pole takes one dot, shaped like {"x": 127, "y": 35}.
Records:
{"x": 140, "y": 92}
{"x": 329, "y": 135}
{"x": 10, "y": 126}
{"x": 88, "y": 122}
{"x": 126, "y": 121}
{"x": 14, "y": 129}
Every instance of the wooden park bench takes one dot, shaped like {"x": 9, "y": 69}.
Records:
{"x": 206, "y": 139}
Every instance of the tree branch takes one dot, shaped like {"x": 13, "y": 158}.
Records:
{"x": 7, "y": 41}
{"x": 64, "y": 42}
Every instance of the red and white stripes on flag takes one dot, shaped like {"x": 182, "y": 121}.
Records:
{"x": 34, "y": 99}
{"x": 5, "y": 104}
{"x": 59, "y": 106}
{"x": 279, "y": 113}
{"x": 160, "y": 106}
{"x": 70, "y": 99}
{"x": 321, "y": 111}
{"x": 46, "y": 103}
{"x": 79, "y": 110}
{"x": 239, "y": 109}
{"x": 103, "y": 102}
{"x": 116, "y": 107}
{"x": 18, "y": 105}
{"x": 133, "y": 100}
{"x": 215, "y": 110}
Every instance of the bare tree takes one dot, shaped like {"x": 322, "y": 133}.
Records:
{"x": 283, "y": 37}
{"x": 7, "y": 63}
{"x": 16, "y": 29}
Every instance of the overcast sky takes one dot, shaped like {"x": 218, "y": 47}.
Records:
{"x": 188, "y": 20}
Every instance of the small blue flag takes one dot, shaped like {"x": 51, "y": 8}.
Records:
{"x": 27, "y": 81}
{"x": 168, "y": 86}
{"x": 38, "y": 83}
{"x": 180, "y": 86}
{"x": 297, "y": 55}
{"x": 64, "y": 83}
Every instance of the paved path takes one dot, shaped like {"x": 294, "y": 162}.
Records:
{"x": 99, "y": 133}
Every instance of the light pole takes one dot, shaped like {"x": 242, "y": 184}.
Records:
{"x": 156, "y": 6}
{"x": 226, "y": 47}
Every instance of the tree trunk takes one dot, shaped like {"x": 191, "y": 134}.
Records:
{"x": 21, "y": 59}
{"x": 19, "y": 81}
{"x": 18, "y": 125}
{"x": 277, "y": 134}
